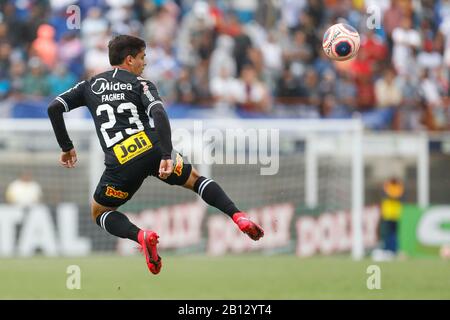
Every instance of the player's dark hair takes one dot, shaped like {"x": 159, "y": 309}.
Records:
{"x": 123, "y": 45}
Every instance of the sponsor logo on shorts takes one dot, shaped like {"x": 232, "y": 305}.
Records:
{"x": 132, "y": 147}
{"x": 111, "y": 192}
{"x": 179, "y": 165}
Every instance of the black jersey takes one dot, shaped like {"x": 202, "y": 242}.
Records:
{"x": 120, "y": 104}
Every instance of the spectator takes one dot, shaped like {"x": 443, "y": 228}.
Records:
{"x": 387, "y": 91}
{"x": 196, "y": 21}
{"x": 45, "y": 46}
{"x": 201, "y": 84}
{"x": 96, "y": 59}
{"x": 229, "y": 25}
{"x": 93, "y": 28}
{"x": 204, "y": 45}
{"x": 322, "y": 63}
{"x": 388, "y": 95}
{"x": 11, "y": 21}
{"x": 327, "y": 83}
{"x": 330, "y": 108}
{"x": 310, "y": 85}
{"x": 374, "y": 47}
{"x": 221, "y": 87}
{"x": 120, "y": 17}
{"x": 5, "y": 36}
{"x": 288, "y": 90}
{"x": 250, "y": 93}
{"x": 37, "y": 16}
{"x": 346, "y": 91}
{"x": 391, "y": 210}
{"x": 162, "y": 69}
{"x": 272, "y": 58}
{"x": 299, "y": 51}
{"x": 429, "y": 58}
{"x": 17, "y": 77}
{"x": 242, "y": 44}
{"x": 163, "y": 27}
{"x": 60, "y": 80}
{"x": 24, "y": 191}
{"x": 222, "y": 58}
{"x": 434, "y": 114}
{"x": 315, "y": 11}
{"x": 256, "y": 32}
{"x": 363, "y": 74}
{"x": 185, "y": 91}
{"x": 391, "y": 20}
{"x": 35, "y": 84}
{"x": 405, "y": 40}
{"x": 71, "y": 53}
{"x": 309, "y": 28}
{"x": 410, "y": 105}
{"x": 290, "y": 10}
{"x": 5, "y": 54}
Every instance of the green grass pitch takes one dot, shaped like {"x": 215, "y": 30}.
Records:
{"x": 230, "y": 277}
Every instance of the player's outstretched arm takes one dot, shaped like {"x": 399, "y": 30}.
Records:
{"x": 55, "y": 113}
{"x": 162, "y": 126}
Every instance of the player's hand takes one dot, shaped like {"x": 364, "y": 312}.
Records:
{"x": 68, "y": 159}
{"x": 165, "y": 168}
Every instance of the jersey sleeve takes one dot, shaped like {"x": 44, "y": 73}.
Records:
{"x": 74, "y": 97}
{"x": 149, "y": 95}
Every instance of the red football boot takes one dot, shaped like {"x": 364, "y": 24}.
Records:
{"x": 247, "y": 226}
{"x": 148, "y": 241}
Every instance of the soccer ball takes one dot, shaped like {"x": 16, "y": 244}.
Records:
{"x": 341, "y": 42}
{"x": 445, "y": 251}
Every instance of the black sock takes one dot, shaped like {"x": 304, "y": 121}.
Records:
{"x": 213, "y": 195}
{"x": 117, "y": 224}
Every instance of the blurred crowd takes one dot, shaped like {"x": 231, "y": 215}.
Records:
{"x": 244, "y": 58}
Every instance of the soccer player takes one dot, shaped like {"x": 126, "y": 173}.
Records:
{"x": 134, "y": 132}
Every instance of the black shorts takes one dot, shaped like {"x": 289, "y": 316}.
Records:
{"x": 118, "y": 185}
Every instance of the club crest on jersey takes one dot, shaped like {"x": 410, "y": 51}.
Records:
{"x": 111, "y": 192}
{"x": 179, "y": 165}
{"x": 147, "y": 91}
{"x": 100, "y": 85}
{"x": 132, "y": 147}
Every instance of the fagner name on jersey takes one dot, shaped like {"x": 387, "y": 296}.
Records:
{"x": 113, "y": 97}
{"x": 100, "y": 85}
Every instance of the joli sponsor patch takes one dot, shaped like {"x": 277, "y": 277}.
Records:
{"x": 132, "y": 147}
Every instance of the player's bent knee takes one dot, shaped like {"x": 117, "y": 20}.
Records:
{"x": 193, "y": 177}
{"x": 194, "y": 174}
{"x": 97, "y": 209}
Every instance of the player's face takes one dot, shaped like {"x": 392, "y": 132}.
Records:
{"x": 138, "y": 63}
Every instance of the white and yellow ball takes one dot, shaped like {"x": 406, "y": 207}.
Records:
{"x": 341, "y": 42}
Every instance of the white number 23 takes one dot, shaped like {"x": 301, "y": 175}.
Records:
{"x": 118, "y": 136}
